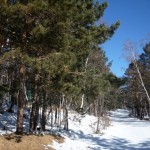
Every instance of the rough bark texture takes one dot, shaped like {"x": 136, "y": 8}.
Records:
{"x": 33, "y": 115}
{"x": 20, "y": 100}
{"x": 20, "y": 112}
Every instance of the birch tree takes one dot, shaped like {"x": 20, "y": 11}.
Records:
{"x": 130, "y": 47}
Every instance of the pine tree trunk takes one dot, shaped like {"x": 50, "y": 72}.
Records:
{"x": 56, "y": 115}
{"x": 66, "y": 119}
{"x": 19, "y": 129}
{"x": 51, "y": 116}
{"x": 43, "y": 121}
{"x": 65, "y": 115}
{"x": 34, "y": 108}
{"x": 20, "y": 112}
{"x": 36, "y": 113}
{"x": 31, "y": 118}
{"x": 95, "y": 110}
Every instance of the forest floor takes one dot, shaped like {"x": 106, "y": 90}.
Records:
{"x": 124, "y": 133}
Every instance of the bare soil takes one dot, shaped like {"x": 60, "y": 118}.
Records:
{"x": 27, "y": 142}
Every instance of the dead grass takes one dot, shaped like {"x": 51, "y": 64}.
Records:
{"x": 27, "y": 142}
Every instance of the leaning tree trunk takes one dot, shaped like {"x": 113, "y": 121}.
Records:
{"x": 140, "y": 76}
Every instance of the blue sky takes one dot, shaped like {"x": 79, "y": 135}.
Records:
{"x": 134, "y": 16}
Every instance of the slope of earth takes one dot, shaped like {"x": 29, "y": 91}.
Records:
{"x": 27, "y": 142}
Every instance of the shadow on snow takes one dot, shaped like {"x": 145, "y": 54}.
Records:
{"x": 115, "y": 143}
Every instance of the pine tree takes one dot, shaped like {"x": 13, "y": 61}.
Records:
{"x": 49, "y": 43}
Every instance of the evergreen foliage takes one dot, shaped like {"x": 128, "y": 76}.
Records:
{"x": 51, "y": 49}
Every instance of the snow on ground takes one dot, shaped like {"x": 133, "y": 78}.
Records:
{"x": 9, "y": 121}
{"x": 125, "y": 133}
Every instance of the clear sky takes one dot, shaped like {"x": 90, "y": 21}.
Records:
{"x": 134, "y": 16}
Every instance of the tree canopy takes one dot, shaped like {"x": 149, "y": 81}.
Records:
{"x": 51, "y": 48}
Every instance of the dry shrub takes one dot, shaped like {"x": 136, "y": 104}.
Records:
{"x": 105, "y": 121}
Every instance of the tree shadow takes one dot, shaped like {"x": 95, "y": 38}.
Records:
{"x": 8, "y": 122}
{"x": 16, "y": 138}
{"x": 125, "y": 119}
{"x": 115, "y": 143}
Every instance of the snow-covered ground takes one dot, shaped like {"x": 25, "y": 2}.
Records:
{"x": 125, "y": 133}
{"x": 9, "y": 120}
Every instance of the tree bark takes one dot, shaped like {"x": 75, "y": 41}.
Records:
{"x": 100, "y": 108}
{"x": 65, "y": 114}
{"x": 43, "y": 121}
{"x": 51, "y": 116}
{"x": 34, "y": 108}
{"x": 36, "y": 113}
{"x": 56, "y": 115}
{"x": 20, "y": 111}
{"x": 21, "y": 94}
{"x": 140, "y": 76}
{"x": 66, "y": 119}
